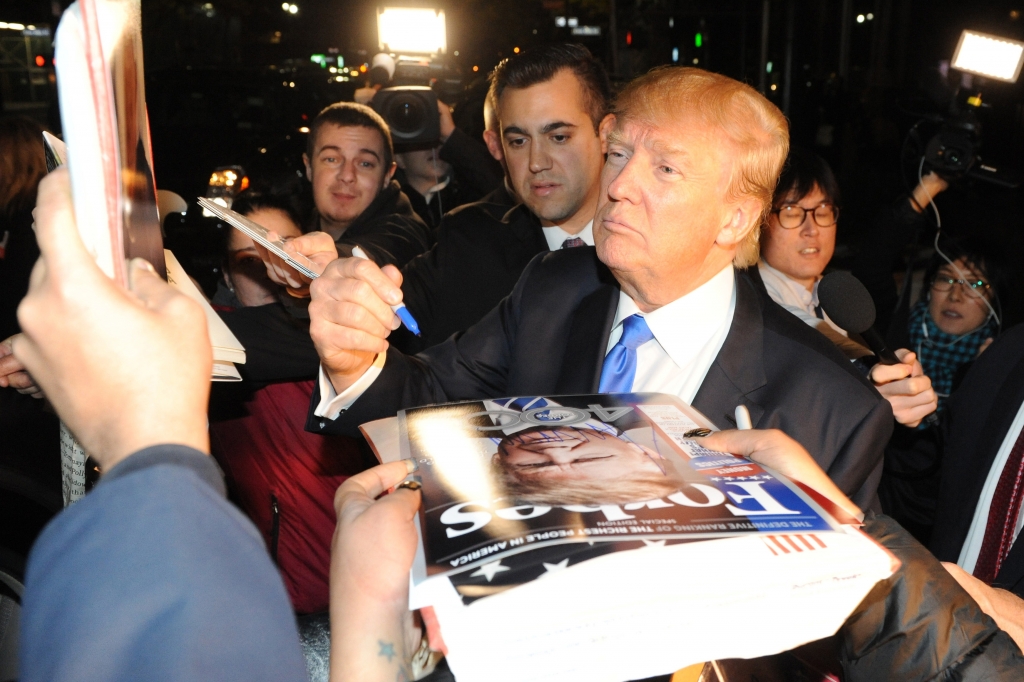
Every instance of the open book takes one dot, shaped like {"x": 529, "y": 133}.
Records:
{"x": 594, "y": 537}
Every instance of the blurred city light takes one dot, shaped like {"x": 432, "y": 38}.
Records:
{"x": 860, "y": 18}
{"x": 989, "y": 56}
{"x": 411, "y": 30}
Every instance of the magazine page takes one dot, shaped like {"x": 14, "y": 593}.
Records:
{"x": 503, "y": 477}
{"x": 98, "y": 52}
{"x": 226, "y": 346}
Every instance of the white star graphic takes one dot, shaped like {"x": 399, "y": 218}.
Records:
{"x": 488, "y": 570}
{"x": 654, "y": 543}
{"x": 553, "y": 568}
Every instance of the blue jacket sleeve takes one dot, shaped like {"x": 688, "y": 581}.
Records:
{"x": 154, "y": 575}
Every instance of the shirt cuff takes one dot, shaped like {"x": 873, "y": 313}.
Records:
{"x": 332, "y": 403}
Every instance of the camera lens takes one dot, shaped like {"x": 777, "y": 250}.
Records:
{"x": 406, "y": 115}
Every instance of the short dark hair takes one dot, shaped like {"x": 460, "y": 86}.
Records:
{"x": 352, "y": 114}
{"x": 540, "y": 64}
{"x": 250, "y": 201}
{"x": 801, "y": 172}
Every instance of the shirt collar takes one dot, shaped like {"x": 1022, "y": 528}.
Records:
{"x": 555, "y": 236}
{"x": 808, "y": 299}
{"x": 685, "y": 325}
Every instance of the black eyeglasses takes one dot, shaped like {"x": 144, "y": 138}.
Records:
{"x": 974, "y": 287}
{"x": 792, "y": 216}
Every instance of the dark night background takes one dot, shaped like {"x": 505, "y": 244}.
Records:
{"x": 231, "y": 82}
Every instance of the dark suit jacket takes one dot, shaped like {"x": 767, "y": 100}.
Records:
{"x": 980, "y": 413}
{"x": 549, "y": 338}
{"x": 476, "y": 262}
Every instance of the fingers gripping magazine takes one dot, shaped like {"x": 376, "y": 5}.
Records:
{"x": 560, "y": 533}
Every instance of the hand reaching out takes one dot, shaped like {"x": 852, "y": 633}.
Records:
{"x": 318, "y": 247}
{"x": 12, "y": 372}
{"x": 907, "y": 388}
{"x": 371, "y": 554}
{"x": 777, "y": 451}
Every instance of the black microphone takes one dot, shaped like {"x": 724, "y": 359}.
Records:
{"x": 847, "y": 302}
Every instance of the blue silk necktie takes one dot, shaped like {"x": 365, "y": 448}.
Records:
{"x": 620, "y": 364}
{"x": 572, "y": 242}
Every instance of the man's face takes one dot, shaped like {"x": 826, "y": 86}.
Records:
{"x": 424, "y": 164}
{"x": 663, "y": 207}
{"x": 800, "y": 252}
{"x": 347, "y": 171}
{"x": 245, "y": 270}
{"x": 567, "y": 453}
{"x": 551, "y": 149}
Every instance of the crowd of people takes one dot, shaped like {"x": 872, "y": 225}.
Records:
{"x": 669, "y": 226}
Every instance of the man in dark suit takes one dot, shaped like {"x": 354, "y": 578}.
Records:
{"x": 657, "y": 307}
{"x": 978, "y": 508}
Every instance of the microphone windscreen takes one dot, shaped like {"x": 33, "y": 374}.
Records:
{"x": 846, "y": 301}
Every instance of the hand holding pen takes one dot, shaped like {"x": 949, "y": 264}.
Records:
{"x": 354, "y": 306}
{"x": 403, "y": 313}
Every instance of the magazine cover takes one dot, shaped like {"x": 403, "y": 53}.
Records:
{"x": 580, "y": 476}
{"x": 98, "y": 51}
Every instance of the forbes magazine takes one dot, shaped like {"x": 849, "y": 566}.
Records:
{"x": 514, "y": 486}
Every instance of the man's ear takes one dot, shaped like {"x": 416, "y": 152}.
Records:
{"x": 390, "y": 173}
{"x": 493, "y": 142}
{"x": 607, "y": 124}
{"x": 309, "y": 169}
{"x": 744, "y": 216}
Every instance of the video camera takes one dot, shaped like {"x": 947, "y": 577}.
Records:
{"x": 953, "y": 151}
{"x": 409, "y": 106}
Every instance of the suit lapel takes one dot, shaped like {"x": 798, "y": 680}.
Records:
{"x": 588, "y": 339}
{"x": 1004, "y": 409}
{"x": 738, "y": 370}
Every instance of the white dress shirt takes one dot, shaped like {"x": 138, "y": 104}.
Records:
{"x": 555, "y": 236}
{"x": 801, "y": 302}
{"x": 688, "y": 333}
{"x": 976, "y": 534}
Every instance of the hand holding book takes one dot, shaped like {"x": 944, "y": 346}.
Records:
{"x": 779, "y": 452}
{"x": 89, "y": 344}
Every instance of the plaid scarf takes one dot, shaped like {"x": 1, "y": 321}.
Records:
{"x": 942, "y": 354}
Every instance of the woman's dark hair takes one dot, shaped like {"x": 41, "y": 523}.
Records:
{"x": 981, "y": 258}
{"x": 801, "y": 172}
{"x": 540, "y": 64}
{"x": 22, "y": 164}
{"x": 250, "y": 201}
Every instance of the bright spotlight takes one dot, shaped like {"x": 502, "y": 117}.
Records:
{"x": 411, "y": 30}
{"x": 293, "y": 9}
{"x": 989, "y": 56}
{"x": 860, "y": 18}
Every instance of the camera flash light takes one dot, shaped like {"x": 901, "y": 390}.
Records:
{"x": 411, "y": 30}
{"x": 989, "y": 56}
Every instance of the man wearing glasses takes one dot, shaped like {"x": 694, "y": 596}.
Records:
{"x": 797, "y": 244}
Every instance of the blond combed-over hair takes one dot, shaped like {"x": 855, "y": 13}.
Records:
{"x": 755, "y": 126}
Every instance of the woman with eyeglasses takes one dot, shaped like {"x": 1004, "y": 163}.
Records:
{"x": 797, "y": 243}
{"x": 957, "y": 317}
